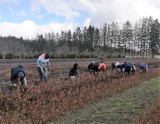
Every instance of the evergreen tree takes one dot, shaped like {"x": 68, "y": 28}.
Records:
{"x": 155, "y": 37}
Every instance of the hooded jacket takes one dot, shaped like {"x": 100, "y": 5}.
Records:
{"x": 42, "y": 61}
{"x": 17, "y": 72}
{"x": 73, "y": 71}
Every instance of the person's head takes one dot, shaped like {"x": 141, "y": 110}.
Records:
{"x": 75, "y": 65}
{"x": 125, "y": 62}
{"x": 113, "y": 65}
{"x": 97, "y": 64}
{"x": 101, "y": 59}
{"x": 20, "y": 66}
{"x": 20, "y": 75}
{"x": 46, "y": 56}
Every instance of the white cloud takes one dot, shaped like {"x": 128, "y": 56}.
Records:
{"x": 87, "y": 22}
{"x": 122, "y": 10}
{"x": 59, "y": 7}
{"x": 25, "y": 29}
{"x": 101, "y": 11}
{"x": 97, "y": 11}
{"x": 29, "y": 29}
{"x": 55, "y": 27}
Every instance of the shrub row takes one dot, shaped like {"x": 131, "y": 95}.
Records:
{"x": 45, "y": 103}
{"x": 70, "y": 55}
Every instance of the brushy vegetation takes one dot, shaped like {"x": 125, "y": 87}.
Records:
{"x": 46, "y": 102}
{"x": 120, "y": 108}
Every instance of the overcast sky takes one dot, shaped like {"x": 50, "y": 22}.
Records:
{"x": 26, "y": 18}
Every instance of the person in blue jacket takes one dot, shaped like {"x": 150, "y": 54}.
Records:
{"x": 143, "y": 67}
{"x": 18, "y": 75}
{"x": 127, "y": 68}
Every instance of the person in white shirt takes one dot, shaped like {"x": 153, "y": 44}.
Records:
{"x": 42, "y": 64}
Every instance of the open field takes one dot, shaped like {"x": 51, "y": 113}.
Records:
{"x": 61, "y": 67}
{"x": 47, "y": 102}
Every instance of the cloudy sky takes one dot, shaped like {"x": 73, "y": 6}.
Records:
{"x": 26, "y": 18}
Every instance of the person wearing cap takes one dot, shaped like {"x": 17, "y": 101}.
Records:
{"x": 42, "y": 64}
{"x": 18, "y": 75}
{"x": 73, "y": 73}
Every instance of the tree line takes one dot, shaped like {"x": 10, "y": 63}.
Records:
{"x": 141, "y": 40}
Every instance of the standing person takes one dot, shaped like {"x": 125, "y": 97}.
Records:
{"x": 42, "y": 64}
{"x": 73, "y": 73}
{"x": 18, "y": 75}
{"x": 143, "y": 67}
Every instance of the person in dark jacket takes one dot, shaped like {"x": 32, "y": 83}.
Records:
{"x": 73, "y": 73}
{"x": 129, "y": 68}
{"x": 93, "y": 67}
{"x": 121, "y": 68}
{"x": 126, "y": 68}
{"x": 18, "y": 75}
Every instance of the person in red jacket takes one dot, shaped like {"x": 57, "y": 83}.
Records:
{"x": 102, "y": 67}
{"x": 96, "y": 67}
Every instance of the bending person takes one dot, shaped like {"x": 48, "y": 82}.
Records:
{"x": 18, "y": 76}
{"x": 143, "y": 67}
{"x": 73, "y": 73}
{"x": 102, "y": 67}
{"x": 93, "y": 67}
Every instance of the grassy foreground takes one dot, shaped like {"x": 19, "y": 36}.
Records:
{"x": 120, "y": 108}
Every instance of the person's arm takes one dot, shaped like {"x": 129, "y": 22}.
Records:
{"x": 48, "y": 63}
{"x": 23, "y": 81}
{"x": 71, "y": 72}
{"x": 13, "y": 78}
{"x": 77, "y": 73}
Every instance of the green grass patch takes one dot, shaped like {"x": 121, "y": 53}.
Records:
{"x": 120, "y": 108}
